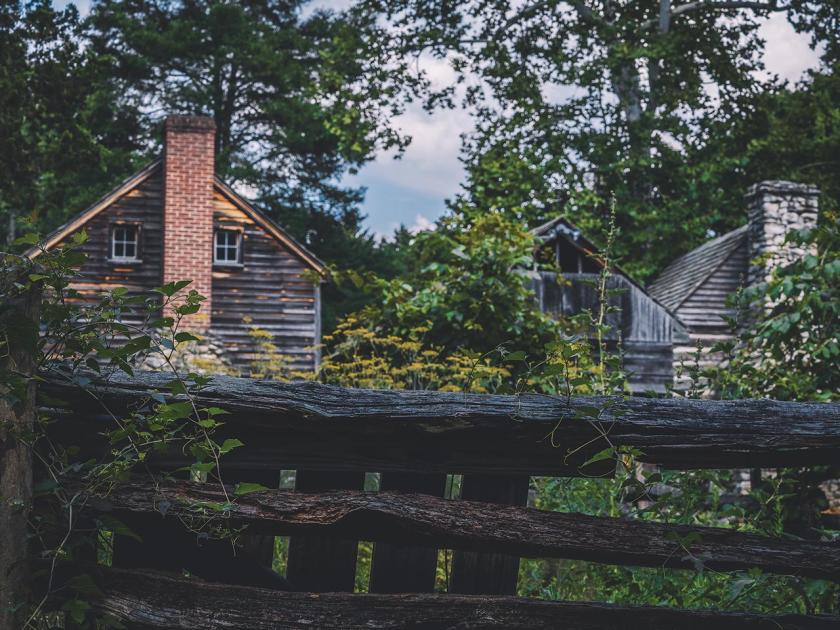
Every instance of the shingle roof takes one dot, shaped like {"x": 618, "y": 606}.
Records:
{"x": 679, "y": 279}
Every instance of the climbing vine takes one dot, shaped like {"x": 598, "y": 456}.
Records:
{"x": 79, "y": 339}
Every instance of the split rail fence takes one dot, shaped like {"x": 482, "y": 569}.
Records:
{"x": 332, "y": 436}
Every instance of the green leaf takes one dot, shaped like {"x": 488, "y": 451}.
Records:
{"x": 587, "y": 411}
{"x": 202, "y": 467}
{"x": 229, "y": 445}
{"x": 185, "y": 336}
{"x": 187, "y": 309}
{"x": 77, "y": 609}
{"x": 27, "y": 239}
{"x": 248, "y": 488}
{"x": 607, "y": 453}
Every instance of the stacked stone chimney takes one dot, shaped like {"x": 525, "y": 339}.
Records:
{"x": 189, "y": 169}
{"x": 774, "y": 209}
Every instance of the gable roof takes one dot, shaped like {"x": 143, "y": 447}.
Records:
{"x": 683, "y": 276}
{"x": 560, "y": 227}
{"x": 78, "y": 221}
{"x": 270, "y": 226}
{"x": 132, "y": 182}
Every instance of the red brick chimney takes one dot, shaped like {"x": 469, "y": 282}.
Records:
{"x": 189, "y": 168}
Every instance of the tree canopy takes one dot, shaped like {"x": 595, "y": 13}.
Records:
{"x": 576, "y": 102}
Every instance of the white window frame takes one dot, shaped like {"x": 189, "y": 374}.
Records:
{"x": 236, "y": 246}
{"x": 124, "y": 242}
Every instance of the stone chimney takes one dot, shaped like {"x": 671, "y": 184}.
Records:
{"x": 189, "y": 169}
{"x": 774, "y": 209}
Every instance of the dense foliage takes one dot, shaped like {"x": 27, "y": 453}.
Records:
{"x": 791, "y": 349}
{"x": 297, "y": 100}
{"x": 65, "y": 139}
{"x": 576, "y": 102}
{"x": 461, "y": 318}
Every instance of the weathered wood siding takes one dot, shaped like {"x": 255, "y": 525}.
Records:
{"x": 143, "y": 206}
{"x": 269, "y": 289}
{"x": 704, "y": 312}
{"x": 645, "y": 327}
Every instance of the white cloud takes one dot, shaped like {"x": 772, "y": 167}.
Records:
{"x": 786, "y": 53}
{"x": 421, "y": 224}
{"x": 430, "y": 164}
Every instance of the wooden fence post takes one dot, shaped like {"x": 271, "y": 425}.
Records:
{"x": 323, "y": 563}
{"x": 16, "y": 461}
{"x": 475, "y": 573}
{"x": 406, "y": 568}
{"x": 259, "y": 546}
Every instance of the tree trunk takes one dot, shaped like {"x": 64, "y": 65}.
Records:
{"x": 17, "y": 419}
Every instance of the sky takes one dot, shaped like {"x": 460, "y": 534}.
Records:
{"x": 413, "y": 190}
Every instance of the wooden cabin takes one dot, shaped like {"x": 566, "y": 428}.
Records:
{"x": 176, "y": 220}
{"x": 646, "y": 328}
{"x": 697, "y": 286}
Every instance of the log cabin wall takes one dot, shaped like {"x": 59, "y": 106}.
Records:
{"x": 269, "y": 290}
{"x": 269, "y": 287}
{"x": 647, "y": 330}
{"x": 705, "y": 313}
{"x": 141, "y": 206}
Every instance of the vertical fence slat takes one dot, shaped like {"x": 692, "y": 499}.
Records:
{"x": 406, "y": 568}
{"x": 16, "y": 463}
{"x": 323, "y": 563}
{"x": 260, "y": 547}
{"x": 489, "y": 573}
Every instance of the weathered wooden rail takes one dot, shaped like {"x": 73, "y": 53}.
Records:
{"x": 332, "y": 436}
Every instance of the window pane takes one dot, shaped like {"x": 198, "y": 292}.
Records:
{"x": 227, "y": 249}
{"x": 124, "y": 242}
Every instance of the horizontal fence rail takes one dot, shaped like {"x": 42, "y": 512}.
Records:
{"x": 472, "y": 525}
{"x": 321, "y": 427}
{"x": 149, "y": 601}
{"x": 333, "y": 436}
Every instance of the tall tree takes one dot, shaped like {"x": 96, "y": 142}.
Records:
{"x": 578, "y": 100}
{"x": 791, "y": 133}
{"x": 63, "y": 139}
{"x": 298, "y": 98}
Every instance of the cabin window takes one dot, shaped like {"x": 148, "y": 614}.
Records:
{"x": 227, "y": 249}
{"x": 124, "y": 242}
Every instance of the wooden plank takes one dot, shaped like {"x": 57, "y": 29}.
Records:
{"x": 260, "y": 547}
{"x": 323, "y": 563}
{"x": 147, "y": 601}
{"x": 168, "y": 545}
{"x": 17, "y": 423}
{"x": 427, "y": 520}
{"x": 320, "y": 427}
{"x": 400, "y": 568}
{"x": 475, "y": 573}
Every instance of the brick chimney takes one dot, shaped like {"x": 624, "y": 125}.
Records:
{"x": 775, "y": 208}
{"x": 189, "y": 168}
